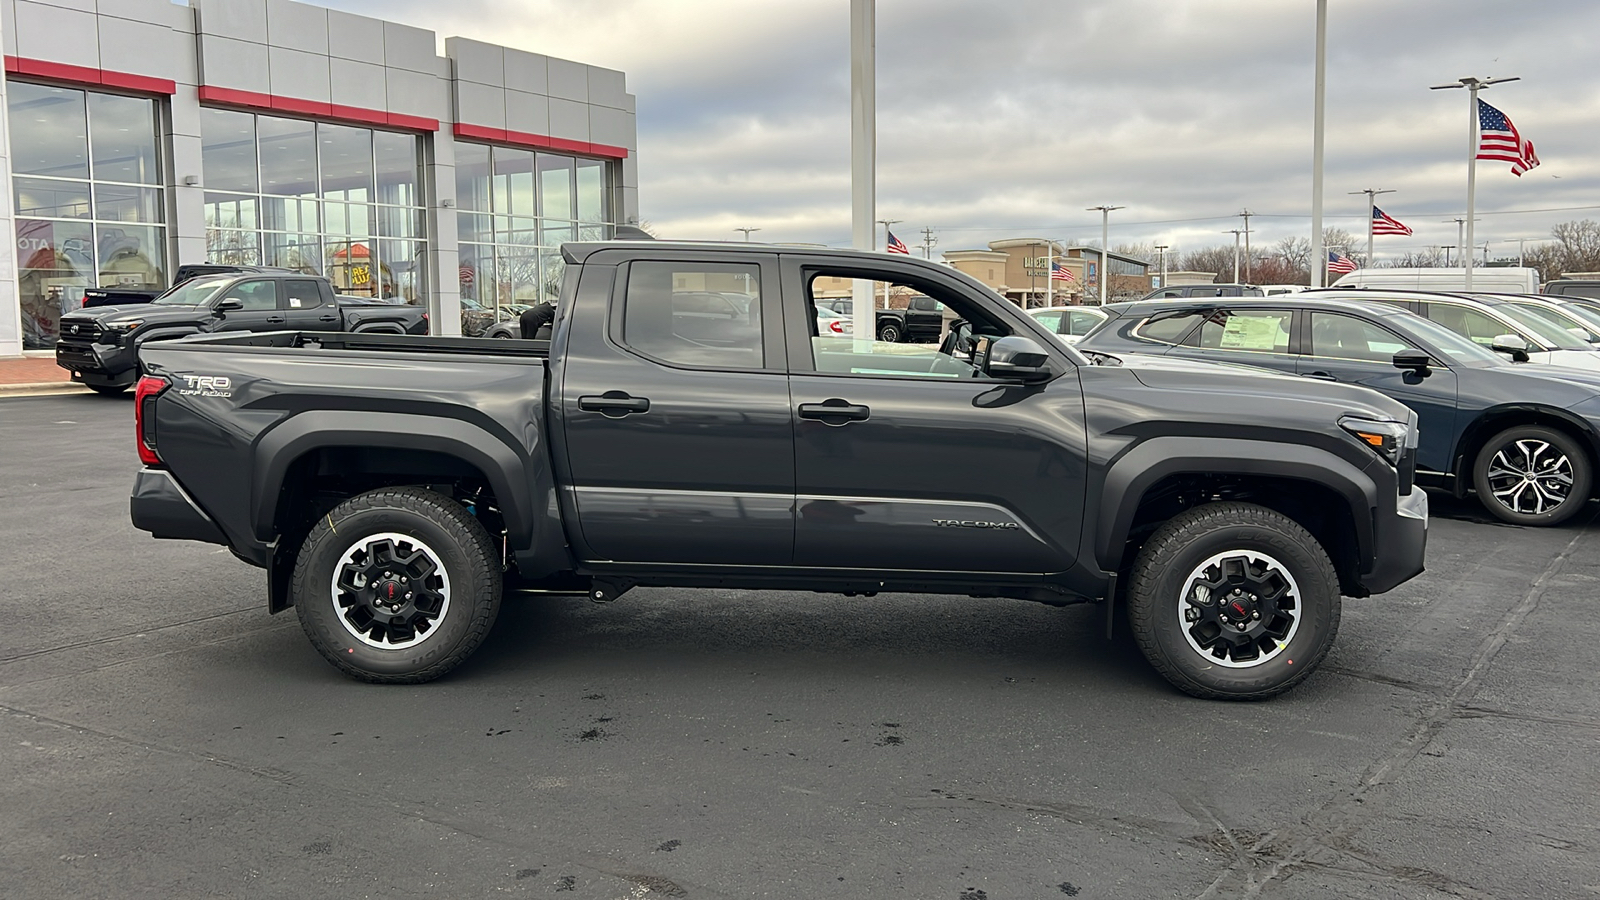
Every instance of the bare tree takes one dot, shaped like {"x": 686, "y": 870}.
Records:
{"x": 1218, "y": 260}
{"x": 1296, "y": 252}
{"x": 1577, "y": 245}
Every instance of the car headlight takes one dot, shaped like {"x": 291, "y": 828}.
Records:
{"x": 1387, "y": 439}
{"x": 124, "y": 327}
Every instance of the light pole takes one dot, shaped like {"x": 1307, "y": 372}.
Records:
{"x": 1319, "y": 252}
{"x": 1473, "y": 86}
{"x": 1235, "y": 232}
{"x": 747, "y": 233}
{"x": 1246, "y": 214}
{"x": 1161, "y": 251}
{"x": 1105, "y": 237}
{"x": 863, "y": 152}
{"x": 1372, "y": 204}
{"x": 1447, "y": 248}
{"x": 1520, "y": 243}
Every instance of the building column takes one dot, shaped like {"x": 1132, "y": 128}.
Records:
{"x": 186, "y": 205}
{"x": 444, "y": 256}
{"x": 10, "y": 299}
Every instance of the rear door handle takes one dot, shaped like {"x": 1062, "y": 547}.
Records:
{"x": 274, "y": 320}
{"x": 328, "y": 318}
{"x": 835, "y": 412}
{"x": 613, "y": 403}
{"x": 1320, "y": 376}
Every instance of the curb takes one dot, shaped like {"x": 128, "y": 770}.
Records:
{"x": 41, "y": 388}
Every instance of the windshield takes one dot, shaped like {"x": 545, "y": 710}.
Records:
{"x": 1452, "y": 345}
{"x": 1562, "y": 319}
{"x": 193, "y": 292}
{"x": 1555, "y": 335}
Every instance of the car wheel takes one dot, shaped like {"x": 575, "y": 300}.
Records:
{"x": 397, "y": 585}
{"x": 501, "y": 334}
{"x": 1532, "y": 475}
{"x": 889, "y": 333}
{"x": 1233, "y": 601}
{"x": 108, "y": 390}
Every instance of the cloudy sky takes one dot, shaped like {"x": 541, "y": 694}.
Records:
{"x": 1007, "y": 119}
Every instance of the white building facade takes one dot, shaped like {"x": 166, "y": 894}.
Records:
{"x": 141, "y": 135}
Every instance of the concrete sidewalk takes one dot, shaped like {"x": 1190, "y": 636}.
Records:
{"x": 34, "y": 374}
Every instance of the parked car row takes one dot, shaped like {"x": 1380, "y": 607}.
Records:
{"x": 1507, "y": 397}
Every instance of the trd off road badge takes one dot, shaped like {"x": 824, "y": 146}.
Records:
{"x": 207, "y": 386}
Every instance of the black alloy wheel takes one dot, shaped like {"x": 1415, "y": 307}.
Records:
{"x": 397, "y": 585}
{"x": 889, "y": 333}
{"x": 1532, "y": 475}
{"x": 1233, "y": 601}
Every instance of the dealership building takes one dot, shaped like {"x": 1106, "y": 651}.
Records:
{"x": 141, "y": 135}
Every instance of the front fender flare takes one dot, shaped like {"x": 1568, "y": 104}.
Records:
{"x": 1140, "y": 468}
{"x": 502, "y": 465}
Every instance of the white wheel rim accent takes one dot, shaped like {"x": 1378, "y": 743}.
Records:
{"x": 1201, "y": 605}
{"x": 359, "y": 610}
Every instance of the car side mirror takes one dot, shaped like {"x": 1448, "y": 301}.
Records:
{"x": 1512, "y": 345}
{"x": 1413, "y": 360}
{"x": 1018, "y": 357}
{"x": 958, "y": 341}
{"x": 229, "y": 304}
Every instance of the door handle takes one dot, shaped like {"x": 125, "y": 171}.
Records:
{"x": 328, "y": 318}
{"x": 835, "y": 412}
{"x": 274, "y": 320}
{"x": 615, "y": 404}
{"x": 1319, "y": 375}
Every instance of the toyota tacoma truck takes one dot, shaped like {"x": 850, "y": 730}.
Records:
{"x": 394, "y": 488}
{"x": 102, "y": 346}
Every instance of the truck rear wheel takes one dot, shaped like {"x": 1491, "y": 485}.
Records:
{"x": 397, "y": 585}
{"x": 1233, "y": 601}
{"x": 889, "y": 333}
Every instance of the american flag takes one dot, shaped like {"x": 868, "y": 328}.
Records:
{"x": 1060, "y": 273}
{"x": 895, "y": 246}
{"x": 1338, "y": 262}
{"x": 1499, "y": 139}
{"x": 1383, "y": 223}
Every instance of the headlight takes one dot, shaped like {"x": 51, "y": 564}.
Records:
{"x": 1387, "y": 439}
{"x": 124, "y": 327}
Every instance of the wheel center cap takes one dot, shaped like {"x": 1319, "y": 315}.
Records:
{"x": 1238, "y": 609}
{"x": 389, "y": 593}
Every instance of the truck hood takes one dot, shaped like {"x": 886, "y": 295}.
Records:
{"x": 158, "y": 314}
{"x": 1214, "y": 379}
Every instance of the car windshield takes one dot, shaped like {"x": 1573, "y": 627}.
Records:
{"x": 1555, "y": 335}
{"x": 1452, "y": 345}
{"x": 1563, "y": 318}
{"x": 193, "y": 292}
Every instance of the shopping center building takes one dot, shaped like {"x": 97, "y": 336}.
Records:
{"x": 143, "y": 135}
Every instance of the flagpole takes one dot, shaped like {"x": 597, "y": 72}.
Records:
{"x": 1472, "y": 172}
{"x": 1049, "y": 273}
{"x": 1372, "y": 213}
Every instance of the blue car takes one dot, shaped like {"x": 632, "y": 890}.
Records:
{"x": 1524, "y": 437}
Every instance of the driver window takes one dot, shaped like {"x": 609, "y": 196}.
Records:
{"x": 257, "y": 296}
{"x": 915, "y": 333}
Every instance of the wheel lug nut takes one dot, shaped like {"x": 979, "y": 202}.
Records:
{"x": 408, "y": 597}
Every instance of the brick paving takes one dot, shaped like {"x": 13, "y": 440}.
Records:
{"x": 31, "y": 370}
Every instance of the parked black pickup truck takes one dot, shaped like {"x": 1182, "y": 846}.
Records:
{"x": 103, "y": 346}
{"x": 389, "y": 484}
{"x": 97, "y": 296}
{"x": 922, "y": 320}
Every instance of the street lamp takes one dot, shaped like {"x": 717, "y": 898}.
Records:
{"x": 1105, "y": 237}
{"x": 863, "y": 151}
{"x": 1473, "y": 86}
{"x": 747, "y": 233}
{"x": 1235, "y": 232}
{"x": 1161, "y": 251}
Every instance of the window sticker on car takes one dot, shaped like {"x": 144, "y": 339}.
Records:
{"x": 1251, "y": 333}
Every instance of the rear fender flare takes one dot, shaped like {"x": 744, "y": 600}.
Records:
{"x": 503, "y": 466}
{"x": 1142, "y": 467}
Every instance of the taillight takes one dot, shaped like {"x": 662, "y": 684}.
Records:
{"x": 835, "y": 326}
{"x": 144, "y": 417}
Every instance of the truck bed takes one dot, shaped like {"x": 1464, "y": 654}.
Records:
{"x": 369, "y": 342}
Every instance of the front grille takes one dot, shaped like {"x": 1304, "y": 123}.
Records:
{"x": 85, "y": 330}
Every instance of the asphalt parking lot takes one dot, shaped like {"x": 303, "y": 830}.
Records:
{"x": 165, "y": 737}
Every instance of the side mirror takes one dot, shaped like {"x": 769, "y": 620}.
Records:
{"x": 1413, "y": 360}
{"x": 1512, "y": 345}
{"x": 229, "y": 304}
{"x": 1018, "y": 357}
{"x": 958, "y": 340}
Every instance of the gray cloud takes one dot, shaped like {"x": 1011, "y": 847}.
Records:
{"x": 1001, "y": 119}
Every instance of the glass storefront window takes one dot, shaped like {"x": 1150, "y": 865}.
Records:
{"x": 555, "y": 186}
{"x": 591, "y": 190}
{"x": 318, "y": 192}
{"x": 82, "y": 165}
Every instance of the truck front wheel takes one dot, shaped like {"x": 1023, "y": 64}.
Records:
{"x": 397, "y": 585}
{"x": 1233, "y": 601}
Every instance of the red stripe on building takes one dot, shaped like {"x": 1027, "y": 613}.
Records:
{"x": 315, "y": 109}
{"x": 84, "y": 75}
{"x": 537, "y": 141}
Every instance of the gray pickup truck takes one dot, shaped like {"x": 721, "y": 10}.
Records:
{"x": 393, "y": 487}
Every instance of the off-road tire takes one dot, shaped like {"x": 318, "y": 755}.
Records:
{"x": 889, "y": 333}
{"x": 1582, "y": 475}
{"x": 464, "y": 550}
{"x": 1158, "y": 585}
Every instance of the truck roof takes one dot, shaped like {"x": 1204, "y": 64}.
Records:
{"x": 579, "y": 251}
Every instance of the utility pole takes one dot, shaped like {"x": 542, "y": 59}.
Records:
{"x": 1520, "y": 254}
{"x": 863, "y": 153}
{"x": 747, "y": 233}
{"x": 1161, "y": 250}
{"x": 1235, "y": 232}
{"x": 928, "y": 240}
{"x": 1447, "y": 248}
{"x": 1105, "y": 237}
{"x": 1372, "y": 204}
{"x": 885, "y": 223}
{"x": 1319, "y": 252}
{"x": 1246, "y": 214}
{"x": 1473, "y": 86}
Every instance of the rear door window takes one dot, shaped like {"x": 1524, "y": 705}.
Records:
{"x": 1170, "y": 328}
{"x": 700, "y": 315}
{"x": 1256, "y": 330}
{"x": 302, "y": 294}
